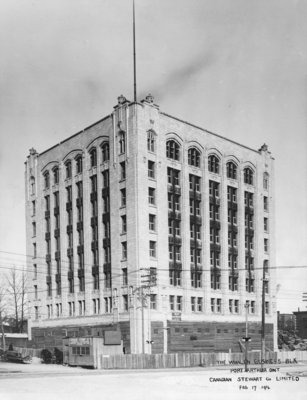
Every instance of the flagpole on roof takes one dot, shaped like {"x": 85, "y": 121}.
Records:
{"x": 134, "y": 56}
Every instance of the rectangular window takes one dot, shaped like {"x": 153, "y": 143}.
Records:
{"x": 123, "y": 197}
{"x": 212, "y": 305}
{"x": 124, "y": 223}
{"x": 80, "y": 302}
{"x": 106, "y": 204}
{"x": 47, "y": 203}
{"x": 192, "y": 255}
{"x": 234, "y": 218}
{"x": 176, "y": 177}
{"x": 79, "y": 190}
{"x": 124, "y": 250}
{"x": 266, "y": 245}
{"x": 125, "y": 276}
{"x": 191, "y": 206}
{"x": 96, "y": 306}
{"x": 251, "y": 200}
{"x": 151, "y": 169}
{"x": 197, "y": 208}
{"x": 211, "y": 211}
{"x": 198, "y": 233}
{"x": 153, "y": 301}
{"x": 228, "y": 195}
{"x": 252, "y": 307}
{"x": 198, "y": 256}
{"x": 106, "y": 229}
{"x": 171, "y": 252}
{"x": 265, "y": 203}
{"x": 234, "y": 239}
{"x": 199, "y": 304}
{"x": 217, "y": 237}
{"x": 152, "y": 222}
{"x": 105, "y": 179}
{"x": 33, "y": 228}
{"x": 152, "y": 249}
{"x": 251, "y": 222}
{"x": 108, "y": 304}
{"x": 194, "y": 183}
{"x": 179, "y": 303}
{"x": 266, "y": 224}
{"x": 122, "y": 171}
{"x": 56, "y": 199}
{"x": 172, "y": 302}
{"x": 34, "y": 250}
{"x": 177, "y": 227}
{"x": 170, "y": 227}
{"x": 218, "y": 305}
{"x": 33, "y": 208}
{"x": 193, "y": 304}
{"x": 266, "y": 266}
{"x": 230, "y": 306}
{"x": 170, "y": 201}
{"x": 234, "y": 195}
{"x": 236, "y": 307}
{"x": 229, "y": 216}
{"x": 151, "y": 196}
{"x": 35, "y": 271}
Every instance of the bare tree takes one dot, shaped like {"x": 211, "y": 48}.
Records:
{"x": 16, "y": 281}
{"x": 3, "y": 310}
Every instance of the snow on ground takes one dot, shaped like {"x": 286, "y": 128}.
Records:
{"x": 54, "y": 382}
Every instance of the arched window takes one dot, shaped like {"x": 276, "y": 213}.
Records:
{"x": 151, "y": 141}
{"x": 55, "y": 175}
{"x": 194, "y": 157}
{"x": 46, "y": 180}
{"x": 32, "y": 185}
{"x": 105, "y": 149}
{"x": 213, "y": 164}
{"x": 172, "y": 150}
{"x": 68, "y": 169}
{"x": 231, "y": 170}
{"x": 265, "y": 181}
{"x": 122, "y": 142}
{"x": 79, "y": 164}
{"x": 248, "y": 176}
{"x": 93, "y": 157}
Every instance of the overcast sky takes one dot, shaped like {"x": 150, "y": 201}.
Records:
{"x": 235, "y": 67}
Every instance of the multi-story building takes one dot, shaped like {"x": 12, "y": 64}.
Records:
{"x": 150, "y": 225}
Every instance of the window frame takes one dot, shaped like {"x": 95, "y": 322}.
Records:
{"x": 172, "y": 150}
{"x": 105, "y": 151}
{"x": 194, "y": 156}
{"x": 213, "y": 164}
{"x": 93, "y": 157}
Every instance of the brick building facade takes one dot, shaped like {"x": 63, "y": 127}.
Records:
{"x": 151, "y": 225}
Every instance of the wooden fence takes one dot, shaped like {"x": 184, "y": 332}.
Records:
{"x": 182, "y": 360}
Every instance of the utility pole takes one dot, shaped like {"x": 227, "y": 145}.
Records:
{"x": 262, "y": 353}
{"x": 247, "y": 339}
{"x": 148, "y": 281}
